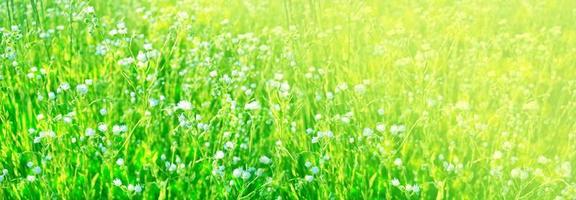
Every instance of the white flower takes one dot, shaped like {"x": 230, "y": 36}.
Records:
{"x": 380, "y": 128}
{"x": 103, "y": 111}
{"x": 64, "y": 86}
{"x": 254, "y": 105}
{"x": 89, "y": 9}
{"x": 519, "y": 173}
{"x": 102, "y": 127}
{"x": 237, "y": 172}
{"x": 90, "y": 132}
{"x": 31, "y": 178}
{"x": 497, "y": 155}
{"x": 117, "y": 182}
{"x": 246, "y": 175}
{"x": 395, "y": 182}
{"x": 138, "y": 188}
{"x": 265, "y": 160}
{"x": 82, "y": 89}
{"x": 153, "y": 102}
{"x": 126, "y": 61}
{"x": 367, "y": 132}
{"x": 117, "y": 129}
{"x": 397, "y": 129}
{"x": 398, "y": 162}
{"x": 184, "y": 105}
{"x": 308, "y": 164}
{"x": 309, "y": 178}
{"x": 315, "y": 170}
{"x": 219, "y": 155}
{"x": 37, "y": 170}
{"x": 120, "y": 162}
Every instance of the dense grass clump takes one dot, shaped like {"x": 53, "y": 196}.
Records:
{"x": 287, "y": 99}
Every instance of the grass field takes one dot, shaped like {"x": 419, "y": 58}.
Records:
{"x": 287, "y": 99}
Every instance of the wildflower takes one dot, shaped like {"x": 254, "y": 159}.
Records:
{"x": 380, "y": 128}
{"x": 254, "y": 105}
{"x": 126, "y": 61}
{"x": 265, "y": 160}
{"x": 90, "y": 132}
{"x": 120, "y": 162}
{"x": 103, "y": 111}
{"x": 395, "y": 182}
{"x": 184, "y": 105}
{"x": 497, "y": 155}
{"x": 137, "y": 188}
{"x": 315, "y": 170}
{"x": 64, "y": 86}
{"x": 308, "y": 178}
{"x": 31, "y": 178}
{"x": 117, "y": 182}
{"x": 397, "y": 129}
{"x": 398, "y": 162}
{"x": 518, "y": 173}
{"x": 37, "y": 170}
{"x": 82, "y": 89}
{"x": 102, "y": 127}
{"x": 246, "y": 175}
{"x": 153, "y": 102}
{"x": 219, "y": 155}
{"x": 308, "y": 164}
{"x": 117, "y": 129}
{"x": 237, "y": 172}
{"x": 367, "y": 132}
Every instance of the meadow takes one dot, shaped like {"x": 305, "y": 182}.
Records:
{"x": 287, "y": 99}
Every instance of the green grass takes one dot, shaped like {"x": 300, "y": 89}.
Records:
{"x": 290, "y": 99}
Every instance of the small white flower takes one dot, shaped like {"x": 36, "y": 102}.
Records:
{"x": 219, "y": 155}
{"x": 315, "y": 170}
{"x": 395, "y": 182}
{"x": 380, "y": 128}
{"x": 246, "y": 175}
{"x": 102, "y": 127}
{"x": 117, "y": 182}
{"x": 153, "y": 102}
{"x": 90, "y": 132}
{"x": 138, "y": 188}
{"x": 31, "y": 178}
{"x": 89, "y": 9}
{"x": 254, "y": 105}
{"x": 397, "y": 129}
{"x": 120, "y": 162}
{"x": 82, "y": 89}
{"x": 265, "y": 160}
{"x": 398, "y": 162}
{"x": 64, "y": 86}
{"x": 309, "y": 178}
{"x": 237, "y": 172}
{"x": 103, "y": 111}
{"x": 184, "y": 105}
{"x": 37, "y": 170}
{"x": 497, "y": 155}
{"x": 367, "y": 132}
